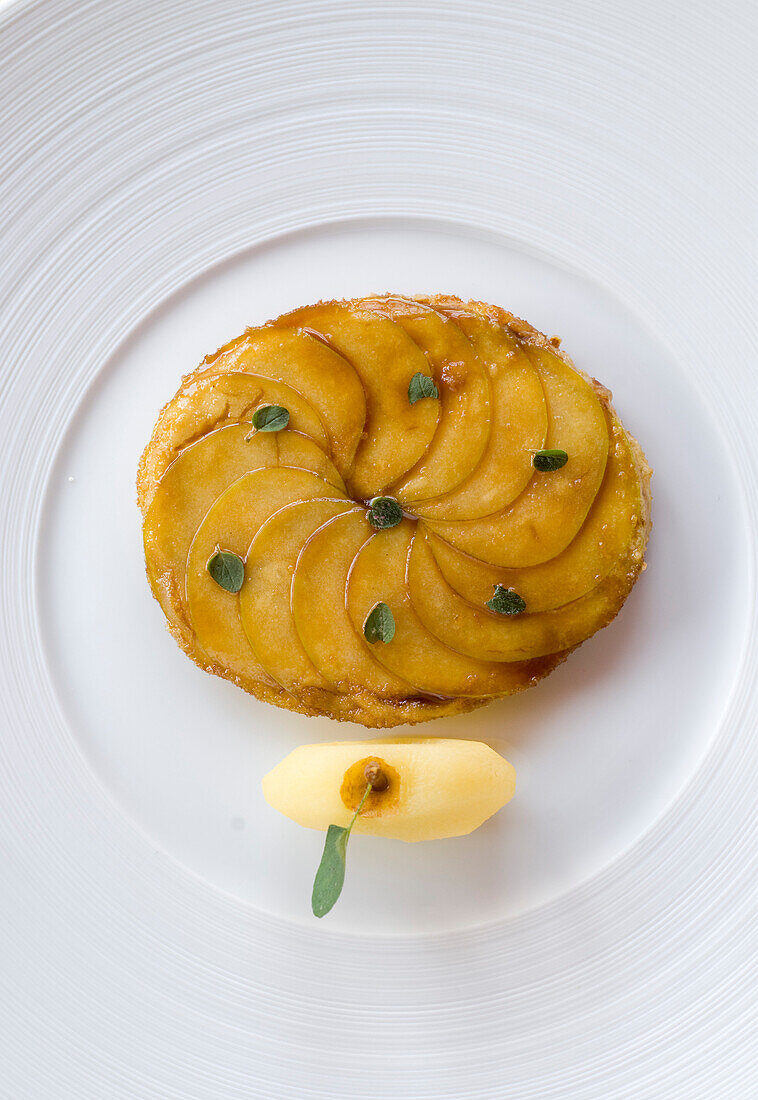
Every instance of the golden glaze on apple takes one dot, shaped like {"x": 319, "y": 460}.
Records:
{"x": 292, "y": 505}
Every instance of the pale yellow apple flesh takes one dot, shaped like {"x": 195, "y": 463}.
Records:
{"x": 379, "y": 574}
{"x": 518, "y": 425}
{"x": 544, "y": 519}
{"x": 463, "y": 427}
{"x": 337, "y": 650}
{"x": 438, "y": 787}
{"x": 264, "y": 599}
{"x": 323, "y": 377}
{"x": 396, "y": 433}
{"x": 482, "y": 633}
{"x": 219, "y": 399}
{"x": 230, "y": 524}
{"x": 612, "y": 525}
{"x": 196, "y": 478}
{"x": 186, "y": 491}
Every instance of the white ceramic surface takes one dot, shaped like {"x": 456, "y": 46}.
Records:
{"x": 600, "y": 749}
{"x": 173, "y": 171}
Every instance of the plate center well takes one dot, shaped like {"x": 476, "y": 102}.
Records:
{"x": 601, "y": 748}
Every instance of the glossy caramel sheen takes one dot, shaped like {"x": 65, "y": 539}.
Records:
{"x": 477, "y": 514}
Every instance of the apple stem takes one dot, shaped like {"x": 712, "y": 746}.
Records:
{"x": 376, "y": 777}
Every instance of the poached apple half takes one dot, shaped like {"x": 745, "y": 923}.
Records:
{"x": 390, "y": 509}
{"x": 432, "y": 787}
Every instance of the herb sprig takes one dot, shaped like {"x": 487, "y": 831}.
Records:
{"x": 506, "y": 602}
{"x": 379, "y": 625}
{"x": 227, "y": 569}
{"x": 420, "y": 386}
{"x": 270, "y": 418}
{"x": 384, "y": 512}
{"x": 330, "y": 876}
{"x": 550, "y": 460}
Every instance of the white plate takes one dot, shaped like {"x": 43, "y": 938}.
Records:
{"x": 173, "y": 172}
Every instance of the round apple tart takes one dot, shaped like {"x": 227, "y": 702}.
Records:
{"x": 389, "y": 510}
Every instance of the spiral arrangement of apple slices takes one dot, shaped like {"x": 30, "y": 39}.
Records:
{"x": 499, "y": 564}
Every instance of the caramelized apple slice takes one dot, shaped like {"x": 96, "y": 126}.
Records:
{"x": 545, "y": 518}
{"x": 464, "y": 420}
{"x": 214, "y": 401}
{"x": 488, "y": 636}
{"x": 518, "y": 424}
{"x": 196, "y": 478}
{"x": 385, "y": 358}
{"x": 378, "y": 574}
{"x": 264, "y": 599}
{"x": 438, "y": 787}
{"x": 321, "y": 618}
{"x": 325, "y": 379}
{"x": 604, "y": 540}
{"x": 231, "y": 524}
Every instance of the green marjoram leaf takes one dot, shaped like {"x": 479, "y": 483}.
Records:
{"x": 270, "y": 418}
{"x": 548, "y": 461}
{"x": 227, "y": 570}
{"x": 330, "y": 877}
{"x": 421, "y": 385}
{"x": 506, "y": 602}
{"x": 379, "y": 625}
{"x": 384, "y": 512}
